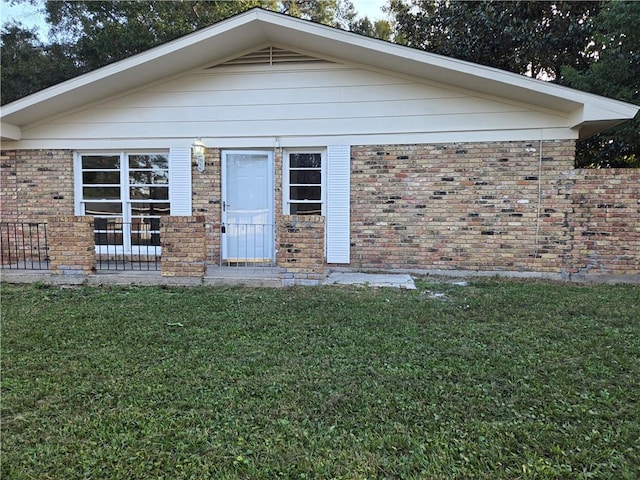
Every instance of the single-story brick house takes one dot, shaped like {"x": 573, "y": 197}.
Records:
{"x": 269, "y": 139}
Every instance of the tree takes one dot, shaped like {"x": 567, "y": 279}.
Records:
{"x": 103, "y": 32}
{"x": 27, "y": 65}
{"x": 380, "y": 29}
{"x": 526, "y": 37}
{"x": 336, "y": 13}
{"x": 614, "y": 72}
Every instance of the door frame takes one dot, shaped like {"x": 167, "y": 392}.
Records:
{"x": 224, "y": 249}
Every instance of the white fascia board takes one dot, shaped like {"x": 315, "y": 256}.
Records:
{"x": 249, "y": 141}
{"x": 10, "y": 132}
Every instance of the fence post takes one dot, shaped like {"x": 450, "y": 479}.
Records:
{"x": 71, "y": 245}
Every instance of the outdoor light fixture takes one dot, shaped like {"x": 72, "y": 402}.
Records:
{"x": 197, "y": 152}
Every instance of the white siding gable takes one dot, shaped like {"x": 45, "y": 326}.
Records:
{"x": 318, "y": 99}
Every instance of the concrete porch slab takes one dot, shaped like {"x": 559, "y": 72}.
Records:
{"x": 246, "y": 276}
{"x": 370, "y": 279}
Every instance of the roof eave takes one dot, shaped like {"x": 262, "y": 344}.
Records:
{"x": 600, "y": 115}
{"x": 9, "y": 132}
{"x": 257, "y": 27}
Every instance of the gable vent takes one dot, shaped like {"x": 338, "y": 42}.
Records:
{"x": 269, "y": 56}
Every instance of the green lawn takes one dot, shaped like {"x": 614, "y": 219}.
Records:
{"x": 497, "y": 379}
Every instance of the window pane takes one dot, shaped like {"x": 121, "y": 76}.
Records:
{"x": 111, "y": 224}
{"x": 306, "y": 209}
{"x": 101, "y": 177}
{"x": 144, "y": 224}
{"x": 305, "y": 176}
{"x": 108, "y": 231}
{"x": 155, "y": 162}
{"x": 158, "y": 177}
{"x": 305, "y": 193}
{"x": 105, "y": 162}
{"x": 149, "y": 193}
{"x": 305, "y": 160}
{"x": 146, "y": 209}
{"x": 145, "y": 231}
{"x": 145, "y": 237}
{"x": 102, "y": 193}
{"x": 95, "y": 208}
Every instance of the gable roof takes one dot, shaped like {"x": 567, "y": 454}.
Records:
{"x": 255, "y": 28}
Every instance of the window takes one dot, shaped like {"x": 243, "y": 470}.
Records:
{"x": 127, "y": 193}
{"x": 304, "y": 173}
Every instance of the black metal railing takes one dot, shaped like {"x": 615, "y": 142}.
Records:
{"x": 24, "y": 245}
{"x": 127, "y": 245}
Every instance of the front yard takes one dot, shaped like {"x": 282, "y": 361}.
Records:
{"x": 493, "y": 380}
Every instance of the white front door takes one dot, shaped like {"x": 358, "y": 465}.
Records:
{"x": 247, "y": 206}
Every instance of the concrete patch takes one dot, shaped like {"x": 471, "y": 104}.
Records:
{"x": 370, "y": 279}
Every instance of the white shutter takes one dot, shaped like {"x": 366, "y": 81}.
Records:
{"x": 338, "y": 203}
{"x": 180, "y": 181}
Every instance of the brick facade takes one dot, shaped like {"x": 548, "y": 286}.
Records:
{"x": 604, "y": 225}
{"x": 471, "y": 206}
{"x": 206, "y": 199}
{"x": 36, "y": 184}
{"x": 503, "y": 206}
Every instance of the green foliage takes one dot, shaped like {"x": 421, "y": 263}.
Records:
{"x": 495, "y": 380}
{"x": 615, "y": 73}
{"x": 336, "y": 13}
{"x": 103, "y": 32}
{"x": 27, "y": 64}
{"x": 526, "y": 37}
{"x": 380, "y": 29}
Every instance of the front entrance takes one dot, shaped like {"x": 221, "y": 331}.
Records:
{"x": 247, "y": 207}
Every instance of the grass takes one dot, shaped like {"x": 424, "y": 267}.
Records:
{"x": 494, "y": 380}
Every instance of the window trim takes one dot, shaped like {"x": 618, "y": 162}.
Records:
{"x": 286, "y": 200}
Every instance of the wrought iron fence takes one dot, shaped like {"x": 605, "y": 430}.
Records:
{"x": 127, "y": 245}
{"x": 24, "y": 245}
{"x": 245, "y": 244}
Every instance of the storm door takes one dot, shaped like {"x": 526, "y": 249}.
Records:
{"x": 247, "y": 207}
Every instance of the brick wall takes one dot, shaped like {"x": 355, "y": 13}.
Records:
{"x": 604, "y": 226}
{"x": 471, "y": 206}
{"x": 36, "y": 184}
{"x": 207, "y": 199}
{"x": 184, "y": 246}
{"x": 301, "y": 246}
{"x": 71, "y": 245}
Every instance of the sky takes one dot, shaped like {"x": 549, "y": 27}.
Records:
{"x": 29, "y": 15}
